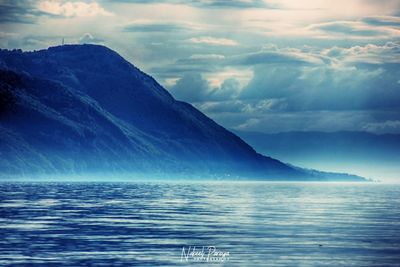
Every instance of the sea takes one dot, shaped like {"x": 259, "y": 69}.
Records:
{"x": 199, "y": 224}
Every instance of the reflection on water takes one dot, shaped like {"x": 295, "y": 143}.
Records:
{"x": 148, "y": 224}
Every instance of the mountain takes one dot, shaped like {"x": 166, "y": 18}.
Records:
{"x": 77, "y": 109}
{"x": 326, "y": 145}
{"x": 369, "y": 153}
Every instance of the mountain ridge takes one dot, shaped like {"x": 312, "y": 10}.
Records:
{"x": 343, "y": 143}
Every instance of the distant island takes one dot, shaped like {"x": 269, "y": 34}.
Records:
{"x": 83, "y": 109}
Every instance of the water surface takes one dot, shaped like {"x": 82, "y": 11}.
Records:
{"x": 148, "y": 224}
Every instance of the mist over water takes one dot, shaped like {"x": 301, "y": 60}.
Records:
{"x": 148, "y": 224}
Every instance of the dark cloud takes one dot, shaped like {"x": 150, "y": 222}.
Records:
{"x": 154, "y": 27}
{"x": 196, "y": 64}
{"x": 327, "y": 88}
{"x": 305, "y": 89}
{"x": 191, "y": 87}
{"x": 355, "y": 78}
{"x": 29, "y": 11}
{"x": 198, "y": 60}
{"x": 179, "y": 70}
{"x": 19, "y": 11}
{"x": 272, "y": 82}
{"x": 351, "y": 28}
{"x": 275, "y": 57}
{"x": 383, "y": 21}
{"x": 229, "y": 89}
{"x": 211, "y": 63}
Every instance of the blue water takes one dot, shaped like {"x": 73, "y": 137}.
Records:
{"x": 148, "y": 224}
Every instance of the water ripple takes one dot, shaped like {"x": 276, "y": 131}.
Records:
{"x": 147, "y": 224}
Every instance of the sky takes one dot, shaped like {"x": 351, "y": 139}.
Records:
{"x": 254, "y": 65}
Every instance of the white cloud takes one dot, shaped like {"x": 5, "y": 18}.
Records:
{"x": 72, "y": 9}
{"x": 370, "y": 53}
{"x": 248, "y": 124}
{"x": 216, "y": 79}
{"x": 362, "y": 29}
{"x": 87, "y": 38}
{"x": 213, "y": 41}
{"x": 389, "y": 126}
{"x": 207, "y": 56}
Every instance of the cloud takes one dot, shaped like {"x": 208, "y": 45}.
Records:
{"x": 213, "y": 53}
{"x": 152, "y": 28}
{"x": 196, "y": 88}
{"x": 19, "y": 11}
{"x": 87, "y": 38}
{"x": 30, "y": 41}
{"x": 155, "y": 26}
{"x": 327, "y": 87}
{"x": 277, "y": 57}
{"x": 219, "y": 67}
{"x": 173, "y": 70}
{"x": 206, "y": 56}
{"x": 213, "y": 41}
{"x": 224, "y": 106}
{"x": 347, "y": 27}
{"x": 366, "y": 28}
{"x": 250, "y": 108}
{"x": 5, "y": 37}
{"x": 6, "y": 34}
{"x": 299, "y": 85}
{"x": 29, "y": 11}
{"x": 272, "y": 82}
{"x": 382, "y": 21}
{"x": 204, "y": 60}
{"x": 191, "y": 87}
{"x": 231, "y": 4}
{"x": 389, "y": 126}
{"x": 248, "y": 124}
{"x": 72, "y": 9}
{"x": 293, "y": 79}
{"x": 195, "y": 63}
{"x": 229, "y": 89}
{"x": 388, "y": 53}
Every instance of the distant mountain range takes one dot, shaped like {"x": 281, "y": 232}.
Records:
{"x": 326, "y": 145}
{"x": 77, "y": 109}
{"x": 371, "y": 153}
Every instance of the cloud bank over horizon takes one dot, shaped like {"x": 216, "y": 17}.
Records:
{"x": 268, "y": 66}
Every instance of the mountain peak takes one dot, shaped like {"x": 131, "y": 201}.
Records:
{"x": 69, "y": 55}
{"x": 85, "y": 67}
{"x": 69, "y": 47}
{"x": 85, "y": 52}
